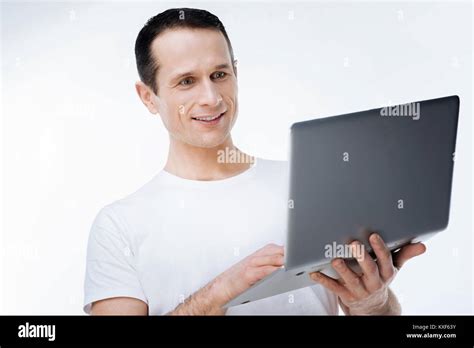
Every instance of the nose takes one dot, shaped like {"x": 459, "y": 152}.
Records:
{"x": 209, "y": 94}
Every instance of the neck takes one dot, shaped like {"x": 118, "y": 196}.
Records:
{"x": 200, "y": 163}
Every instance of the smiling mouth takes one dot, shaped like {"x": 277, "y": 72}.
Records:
{"x": 211, "y": 119}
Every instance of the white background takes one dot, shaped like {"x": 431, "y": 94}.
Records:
{"x": 76, "y": 137}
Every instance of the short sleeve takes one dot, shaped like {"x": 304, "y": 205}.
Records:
{"x": 110, "y": 266}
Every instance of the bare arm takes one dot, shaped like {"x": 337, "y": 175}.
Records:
{"x": 210, "y": 299}
{"x": 205, "y": 301}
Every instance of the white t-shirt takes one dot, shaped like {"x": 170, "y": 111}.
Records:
{"x": 172, "y": 236}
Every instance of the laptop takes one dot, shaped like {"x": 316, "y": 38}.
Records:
{"x": 387, "y": 170}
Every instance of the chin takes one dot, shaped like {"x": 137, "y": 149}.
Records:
{"x": 209, "y": 142}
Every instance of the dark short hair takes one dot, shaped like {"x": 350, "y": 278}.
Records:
{"x": 192, "y": 18}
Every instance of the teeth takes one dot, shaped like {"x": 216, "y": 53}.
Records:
{"x": 208, "y": 118}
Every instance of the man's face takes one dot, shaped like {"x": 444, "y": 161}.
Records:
{"x": 196, "y": 82}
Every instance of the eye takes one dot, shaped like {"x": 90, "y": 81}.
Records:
{"x": 219, "y": 75}
{"x": 186, "y": 82}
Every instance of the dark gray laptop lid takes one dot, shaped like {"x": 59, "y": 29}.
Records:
{"x": 387, "y": 170}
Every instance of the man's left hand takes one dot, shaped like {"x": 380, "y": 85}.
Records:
{"x": 368, "y": 293}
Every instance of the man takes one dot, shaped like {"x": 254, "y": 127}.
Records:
{"x": 206, "y": 228}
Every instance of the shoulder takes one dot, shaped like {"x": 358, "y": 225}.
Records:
{"x": 114, "y": 215}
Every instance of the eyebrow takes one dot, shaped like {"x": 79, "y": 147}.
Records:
{"x": 184, "y": 74}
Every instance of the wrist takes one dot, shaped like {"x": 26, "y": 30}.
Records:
{"x": 375, "y": 304}
{"x": 216, "y": 293}
{"x": 386, "y": 304}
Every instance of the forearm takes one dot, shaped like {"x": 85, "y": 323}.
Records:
{"x": 205, "y": 301}
{"x": 390, "y": 306}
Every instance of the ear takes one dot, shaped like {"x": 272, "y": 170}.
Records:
{"x": 147, "y": 97}
{"x": 235, "y": 66}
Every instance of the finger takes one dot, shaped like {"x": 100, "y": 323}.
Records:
{"x": 407, "y": 252}
{"x": 352, "y": 281}
{"x": 266, "y": 260}
{"x": 371, "y": 276}
{"x": 384, "y": 257}
{"x": 331, "y": 284}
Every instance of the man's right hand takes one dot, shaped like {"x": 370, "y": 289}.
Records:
{"x": 232, "y": 282}
{"x": 247, "y": 272}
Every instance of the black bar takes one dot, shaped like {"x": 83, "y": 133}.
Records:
{"x": 288, "y": 330}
